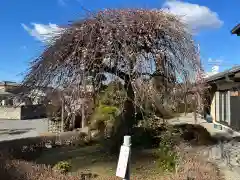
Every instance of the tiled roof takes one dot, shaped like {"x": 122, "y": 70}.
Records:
{"x": 9, "y": 83}
{"x": 221, "y": 75}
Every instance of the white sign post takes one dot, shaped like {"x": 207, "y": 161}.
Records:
{"x": 123, "y": 168}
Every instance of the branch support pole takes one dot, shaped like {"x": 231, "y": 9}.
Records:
{"x": 62, "y": 116}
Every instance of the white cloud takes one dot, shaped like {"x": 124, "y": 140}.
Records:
{"x": 41, "y": 32}
{"x": 195, "y": 16}
{"x": 215, "y": 70}
{"x": 215, "y": 63}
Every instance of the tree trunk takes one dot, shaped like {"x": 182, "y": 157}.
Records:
{"x": 125, "y": 122}
{"x": 195, "y": 108}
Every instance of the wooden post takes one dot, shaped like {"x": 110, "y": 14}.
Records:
{"x": 83, "y": 113}
{"x": 83, "y": 97}
{"x": 73, "y": 121}
{"x": 62, "y": 116}
{"x": 195, "y": 108}
{"x": 186, "y": 104}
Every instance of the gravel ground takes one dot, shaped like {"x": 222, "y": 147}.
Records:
{"x": 225, "y": 154}
{"x": 15, "y": 129}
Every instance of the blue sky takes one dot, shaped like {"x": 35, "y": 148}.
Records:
{"x": 25, "y": 23}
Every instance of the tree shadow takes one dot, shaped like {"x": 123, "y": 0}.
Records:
{"x": 3, "y": 131}
{"x": 225, "y": 137}
{"x": 31, "y": 148}
{"x": 19, "y": 131}
{"x": 83, "y": 156}
{"x": 195, "y": 134}
{"x": 94, "y": 158}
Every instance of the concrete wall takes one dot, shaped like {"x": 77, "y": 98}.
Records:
{"x": 23, "y": 112}
{"x": 10, "y": 113}
{"x": 7, "y": 87}
{"x": 33, "y": 111}
{"x": 2, "y": 88}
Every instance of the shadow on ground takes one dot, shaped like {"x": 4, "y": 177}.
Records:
{"x": 95, "y": 159}
{"x": 194, "y": 134}
{"x": 197, "y": 135}
{"x": 33, "y": 148}
{"x": 14, "y": 131}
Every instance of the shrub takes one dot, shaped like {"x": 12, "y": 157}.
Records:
{"x": 107, "y": 112}
{"x": 103, "y": 115}
{"x": 151, "y": 122}
{"x": 145, "y": 138}
{"x": 113, "y": 95}
{"x": 167, "y": 156}
{"x": 109, "y": 102}
{"x": 62, "y": 166}
{"x": 167, "y": 160}
{"x": 171, "y": 136}
{"x": 111, "y": 110}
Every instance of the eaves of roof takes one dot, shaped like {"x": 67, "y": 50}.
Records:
{"x": 221, "y": 75}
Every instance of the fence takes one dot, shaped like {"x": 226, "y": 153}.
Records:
{"x": 54, "y": 126}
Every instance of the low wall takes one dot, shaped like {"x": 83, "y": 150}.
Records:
{"x": 10, "y": 113}
{"x": 33, "y": 111}
{"x": 23, "y": 112}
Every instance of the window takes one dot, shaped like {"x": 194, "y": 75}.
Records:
{"x": 223, "y": 106}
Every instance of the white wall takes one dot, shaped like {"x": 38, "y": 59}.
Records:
{"x": 10, "y": 113}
